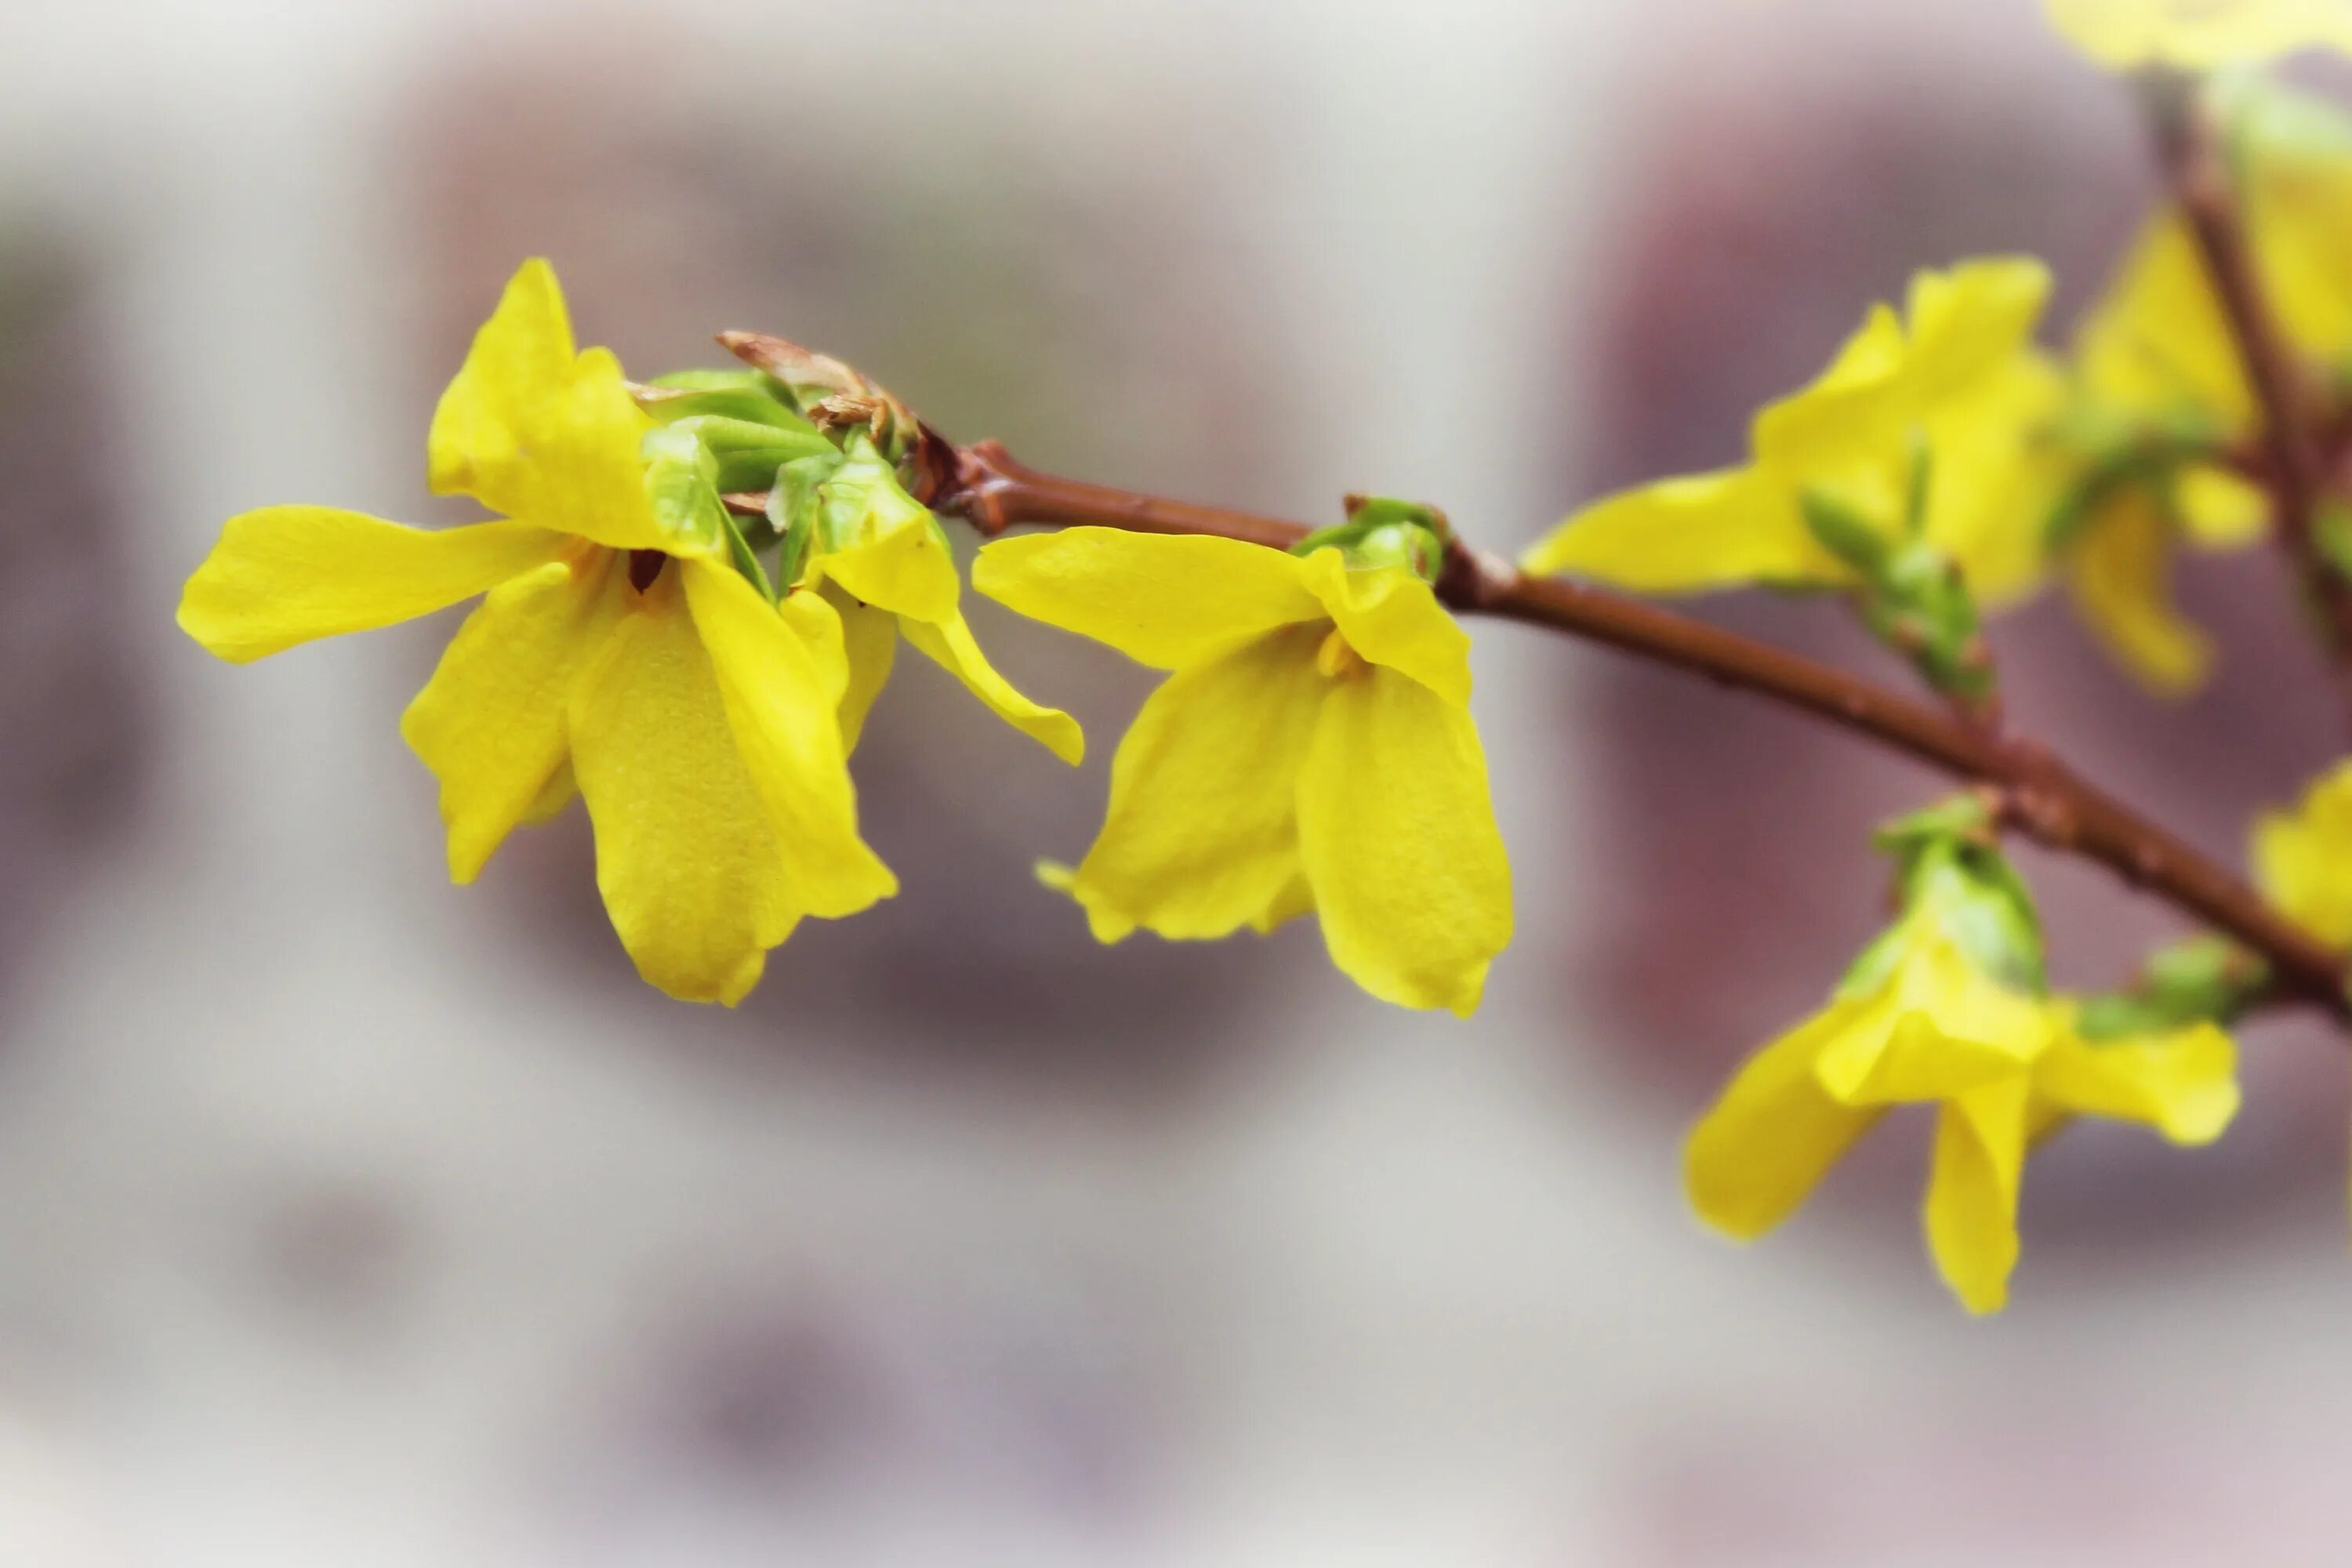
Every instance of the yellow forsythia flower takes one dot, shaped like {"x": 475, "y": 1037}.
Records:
{"x": 1925, "y": 1026}
{"x": 1947, "y": 394}
{"x": 2303, "y": 859}
{"x": 880, "y": 560}
{"x": 2155, "y": 363}
{"x": 1312, "y": 750}
{"x": 2197, "y": 34}
{"x": 611, "y": 655}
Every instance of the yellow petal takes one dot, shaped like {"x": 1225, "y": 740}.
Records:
{"x": 2119, "y": 575}
{"x": 1200, "y": 836}
{"x": 870, "y": 645}
{"x": 2219, "y": 511}
{"x": 1971, "y": 1214}
{"x": 1938, "y": 1026}
{"x": 906, "y": 571}
{"x": 1390, "y": 617}
{"x": 1162, "y": 600}
{"x": 687, "y": 856}
{"x": 2198, "y": 35}
{"x": 286, "y": 575}
{"x": 1721, "y": 529}
{"x": 1846, "y": 431}
{"x": 950, "y": 645}
{"x": 1398, "y": 840}
{"x": 1990, "y": 487}
{"x": 2184, "y": 1082}
{"x": 2303, "y": 859}
{"x": 782, "y": 692}
{"x": 536, "y": 431}
{"x": 1971, "y": 321}
{"x": 1297, "y": 898}
{"x": 2157, "y": 342}
{"x": 490, "y": 721}
{"x": 1773, "y": 1134}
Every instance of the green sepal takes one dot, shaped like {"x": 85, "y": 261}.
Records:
{"x": 680, "y": 481}
{"x": 2206, "y": 979}
{"x": 1382, "y": 530}
{"x": 1844, "y": 533}
{"x": 746, "y": 559}
{"x": 793, "y": 502}
{"x": 746, "y": 394}
{"x": 747, "y": 454}
{"x": 862, "y": 499}
{"x": 1950, "y": 869}
{"x": 2332, "y": 529}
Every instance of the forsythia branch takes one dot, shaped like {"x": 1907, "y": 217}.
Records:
{"x": 2293, "y": 449}
{"x": 2041, "y": 796}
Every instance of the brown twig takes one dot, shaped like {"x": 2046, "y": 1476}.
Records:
{"x": 2042, "y": 797}
{"x": 2293, "y": 438}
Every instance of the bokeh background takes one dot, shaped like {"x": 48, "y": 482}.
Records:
{"x": 346, "y": 1217}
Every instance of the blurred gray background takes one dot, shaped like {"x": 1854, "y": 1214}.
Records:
{"x": 348, "y": 1217}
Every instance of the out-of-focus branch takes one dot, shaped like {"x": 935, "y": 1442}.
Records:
{"x": 2295, "y": 440}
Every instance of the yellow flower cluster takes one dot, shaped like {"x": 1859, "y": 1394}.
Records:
{"x": 1314, "y": 751}
{"x": 1921, "y": 1022}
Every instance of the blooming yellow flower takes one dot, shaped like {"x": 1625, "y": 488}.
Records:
{"x": 880, "y": 559}
{"x": 2197, "y": 34}
{"x": 616, "y": 653}
{"x": 1924, "y": 1025}
{"x": 1945, "y": 398}
{"x": 1312, "y": 750}
{"x": 2303, "y": 859}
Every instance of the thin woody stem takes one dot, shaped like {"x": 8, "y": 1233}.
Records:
{"x": 2041, "y": 796}
{"x": 2292, "y": 444}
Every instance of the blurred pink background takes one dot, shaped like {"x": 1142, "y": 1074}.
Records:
{"x": 349, "y": 1218}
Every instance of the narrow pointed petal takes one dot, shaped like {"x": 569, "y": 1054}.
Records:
{"x": 1398, "y": 837}
{"x": 1971, "y": 1214}
{"x": 1200, "y": 836}
{"x": 1774, "y": 1133}
{"x": 782, "y": 692}
{"x": 1163, "y": 600}
{"x": 535, "y": 430}
{"x": 490, "y": 723}
{"x": 1721, "y": 529}
{"x": 286, "y": 575}
{"x": 950, "y": 645}
{"x": 686, "y": 854}
{"x": 1392, "y": 618}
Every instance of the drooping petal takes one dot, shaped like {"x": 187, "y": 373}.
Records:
{"x": 1398, "y": 838}
{"x": 870, "y": 645}
{"x": 490, "y": 723}
{"x": 906, "y": 571}
{"x": 950, "y": 645}
{"x": 286, "y": 575}
{"x": 1990, "y": 487}
{"x": 686, "y": 855}
{"x": 532, "y": 429}
{"x": 1773, "y": 1134}
{"x": 1727, "y": 528}
{"x": 783, "y": 694}
{"x": 1391, "y": 618}
{"x": 1971, "y": 1214}
{"x": 1200, "y": 836}
{"x": 1163, "y": 600}
{"x": 2183, "y": 1083}
{"x": 2120, "y": 578}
